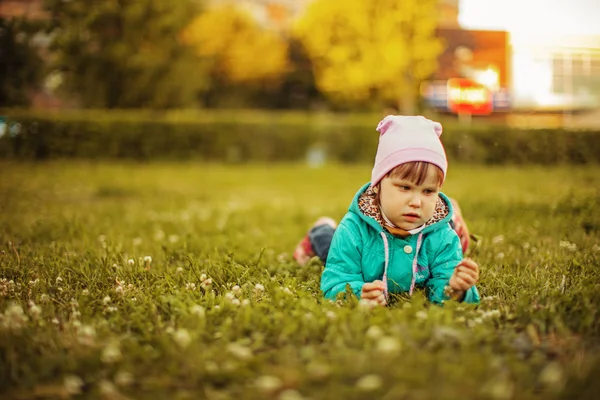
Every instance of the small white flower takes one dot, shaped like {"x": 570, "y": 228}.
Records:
{"x": 236, "y": 289}
{"x": 259, "y": 288}
{"x": 268, "y": 384}
{"x": 106, "y": 300}
{"x": 59, "y": 280}
{"x": 369, "y": 383}
{"x": 182, "y": 338}
{"x": 498, "y": 239}
{"x": 33, "y": 283}
{"x": 134, "y": 299}
{"x": 179, "y": 270}
{"x": 229, "y": 296}
{"x": 124, "y": 378}
{"x": 567, "y": 245}
{"x": 119, "y": 289}
{"x": 421, "y": 315}
{"x": 107, "y": 388}
{"x": 44, "y": 298}
{"x": 388, "y": 345}
{"x": 203, "y": 277}
{"x": 190, "y": 286}
{"x": 147, "y": 259}
{"x": 206, "y": 285}
{"x": 290, "y": 394}
{"x": 85, "y": 292}
{"x": 55, "y": 321}
{"x": 239, "y": 351}
{"x": 173, "y": 238}
{"x": 245, "y": 302}
{"x": 14, "y": 317}
{"x": 287, "y": 290}
{"x": 198, "y": 310}
{"x": 111, "y": 353}
{"x": 331, "y": 315}
{"x": 236, "y": 302}
{"x": 500, "y": 256}
{"x": 131, "y": 261}
{"x": 374, "y": 332}
{"x": 34, "y": 310}
{"x": 73, "y": 384}
{"x": 111, "y": 309}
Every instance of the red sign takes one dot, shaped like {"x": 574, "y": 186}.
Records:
{"x": 468, "y": 97}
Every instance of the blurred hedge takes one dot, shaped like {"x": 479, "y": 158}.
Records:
{"x": 265, "y": 137}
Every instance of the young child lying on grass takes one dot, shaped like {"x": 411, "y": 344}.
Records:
{"x": 399, "y": 232}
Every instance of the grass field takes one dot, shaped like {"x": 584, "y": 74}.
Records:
{"x": 175, "y": 281}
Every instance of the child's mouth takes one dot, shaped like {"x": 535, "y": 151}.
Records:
{"x": 411, "y": 217}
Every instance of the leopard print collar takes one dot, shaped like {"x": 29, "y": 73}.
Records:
{"x": 367, "y": 204}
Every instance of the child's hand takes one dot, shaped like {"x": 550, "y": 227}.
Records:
{"x": 465, "y": 275}
{"x": 374, "y": 291}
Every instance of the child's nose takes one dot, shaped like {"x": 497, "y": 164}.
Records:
{"x": 415, "y": 201}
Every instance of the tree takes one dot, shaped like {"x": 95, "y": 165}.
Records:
{"x": 126, "y": 53}
{"x": 21, "y": 67}
{"x": 239, "y": 51}
{"x": 364, "y": 50}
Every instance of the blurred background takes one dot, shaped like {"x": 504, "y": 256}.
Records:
{"x": 523, "y": 64}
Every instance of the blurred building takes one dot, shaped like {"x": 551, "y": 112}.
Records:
{"x": 30, "y": 9}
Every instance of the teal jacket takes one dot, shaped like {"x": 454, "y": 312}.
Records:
{"x": 361, "y": 246}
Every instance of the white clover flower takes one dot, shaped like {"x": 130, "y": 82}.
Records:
{"x": 567, "y": 245}
{"x": 290, "y": 394}
{"x": 119, "y": 289}
{"x": 190, "y": 286}
{"x": 198, "y": 310}
{"x": 87, "y": 335}
{"x": 147, "y": 259}
{"x": 500, "y": 256}
{"x": 131, "y": 261}
{"x": 173, "y": 238}
{"x": 369, "y": 383}
{"x": 58, "y": 280}
{"x": 259, "y": 288}
{"x": 44, "y": 298}
{"x": 331, "y": 315}
{"x": 498, "y": 239}
{"x": 203, "y": 277}
{"x": 159, "y": 235}
{"x": 111, "y": 309}
{"x": 287, "y": 290}
{"x": 73, "y": 384}
{"x": 34, "y": 310}
{"x": 236, "y": 302}
{"x": 123, "y": 378}
{"x": 229, "y": 296}
{"x": 134, "y": 299}
{"x": 182, "y": 338}
{"x": 106, "y": 300}
{"x": 55, "y": 321}
{"x": 206, "y": 285}
{"x": 236, "y": 290}
{"x": 491, "y": 314}
{"x": 388, "y": 345}
{"x": 179, "y": 270}
{"x": 268, "y": 384}
{"x": 107, "y": 388}
{"x": 421, "y": 315}
{"x": 14, "y": 317}
{"x": 596, "y": 248}
{"x": 111, "y": 353}
{"x": 33, "y": 283}
{"x": 374, "y": 332}
{"x": 85, "y": 292}
{"x": 245, "y": 302}
{"x": 239, "y": 351}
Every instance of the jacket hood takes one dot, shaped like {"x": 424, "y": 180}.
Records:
{"x": 442, "y": 215}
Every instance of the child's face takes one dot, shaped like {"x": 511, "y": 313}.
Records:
{"x": 406, "y": 204}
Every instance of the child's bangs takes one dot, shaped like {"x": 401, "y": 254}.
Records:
{"x": 416, "y": 172}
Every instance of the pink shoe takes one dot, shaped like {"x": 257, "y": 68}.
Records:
{"x": 304, "y": 250}
{"x": 460, "y": 226}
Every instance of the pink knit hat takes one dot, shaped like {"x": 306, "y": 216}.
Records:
{"x": 407, "y": 138}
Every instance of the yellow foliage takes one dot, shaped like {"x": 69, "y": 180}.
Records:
{"x": 365, "y": 49}
{"x": 239, "y": 48}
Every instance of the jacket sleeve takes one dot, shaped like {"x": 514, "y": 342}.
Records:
{"x": 442, "y": 267}
{"x": 343, "y": 265}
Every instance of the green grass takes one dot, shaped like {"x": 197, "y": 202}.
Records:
{"x": 100, "y": 322}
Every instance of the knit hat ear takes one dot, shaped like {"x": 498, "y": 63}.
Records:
{"x": 437, "y": 128}
{"x": 385, "y": 124}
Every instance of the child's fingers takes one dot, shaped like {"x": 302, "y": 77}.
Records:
{"x": 473, "y": 273}
{"x": 469, "y": 264}
{"x": 371, "y": 294}
{"x": 467, "y": 278}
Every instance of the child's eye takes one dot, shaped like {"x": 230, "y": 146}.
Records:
{"x": 429, "y": 191}
{"x": 404, "y": 187}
